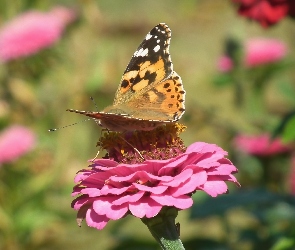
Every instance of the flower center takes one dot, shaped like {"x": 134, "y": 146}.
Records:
{"x": 136, "y": 146}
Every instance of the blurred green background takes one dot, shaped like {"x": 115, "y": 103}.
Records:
{"x": 88, "y": 61}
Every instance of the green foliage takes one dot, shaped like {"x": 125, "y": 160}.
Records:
{"x": 289, "y": 131}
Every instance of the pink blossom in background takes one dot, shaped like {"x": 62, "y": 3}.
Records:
{"x": 14, "y": 142}
{"x": 32, "y": 31}
{"x": 262, "y": 51}
{"x": 224, "y": 64}
{"x": 109, "y": 190}
{"x": 261, "y": 145}
{"x": 266, "y": 12}
{"x": 292, "y": 174}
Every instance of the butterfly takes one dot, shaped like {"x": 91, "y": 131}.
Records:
{"x": 150, "y": 92}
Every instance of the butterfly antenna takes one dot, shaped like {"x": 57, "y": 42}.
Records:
{"x": 97, "y": 122}
{"x": 54, "y": 129}
{"x": 92, "y": 99}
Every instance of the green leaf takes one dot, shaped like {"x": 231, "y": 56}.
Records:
{"x": 279, "y": 129}
{"x": 284, "y": 244}
{"x": 287, "y": 89}
{"x": 223, "y": 80}
{"x": 289, "y": 131}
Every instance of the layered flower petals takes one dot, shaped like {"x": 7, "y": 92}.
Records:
{"x": 146, "y": 207}
{"x": 143, "y": 189}
{"x": 104, "y": 206}
{"x": 214, "y": 186}
{"x": 95, "y": 220}
{"x": 181, "y": 202}
{"x": 196, "y": 180}
{"x": 266, "y": 12}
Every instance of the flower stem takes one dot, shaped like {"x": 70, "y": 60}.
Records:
{"x": 164, "y": 230}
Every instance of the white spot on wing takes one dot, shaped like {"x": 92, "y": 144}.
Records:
{"x": 148, "y": 36}
{"x": 156, "y": 49}
{"x": 141, "y": 52}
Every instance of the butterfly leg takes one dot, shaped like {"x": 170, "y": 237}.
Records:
{"x": 135, "y": 149}
{"x": 98, "y": 151}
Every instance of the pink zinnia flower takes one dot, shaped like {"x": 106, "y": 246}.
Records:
{"x": 110, "y": 190}
{"x": 32, "y": 31}
{"x": 262, "y": 51}
{"x": 261, "y": 145}
{"x": 14, "y": 142}
{"x": 224, "y": 64}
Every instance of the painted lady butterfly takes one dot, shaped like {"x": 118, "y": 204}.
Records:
{"x": 150, "y": 93}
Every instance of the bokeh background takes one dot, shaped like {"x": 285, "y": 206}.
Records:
{"x": 57, "y": 54}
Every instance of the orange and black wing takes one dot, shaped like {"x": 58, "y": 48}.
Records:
{"x": 150, "y": 64}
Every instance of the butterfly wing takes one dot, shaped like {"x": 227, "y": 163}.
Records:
{"x": 163, "y": 101}
{"x": 150, "y": 92}
{"x": 150, "y": 64}
{"x": 118, "y": 121}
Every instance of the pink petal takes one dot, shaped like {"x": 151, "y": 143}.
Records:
{"x": 215, "y": 187}
{"x": 209, "y": 162}
{"x": 195, "y": 147}
{"x": 224, "y": 169}
{"x": 105, "y": 207}
{"x": 103, "y": 204}
{"x": 95, "y": 220}
{"x": 82, "y": 175}
{"x": 129, "y": 198}
{"x": 196, "y": 180}
{"x": 81, "y": 201}
{"x": 180, "y": 178}
{"x": 146, "y": 207}
{"x": 104, "y": 163}
{"x": 91, "y": 192}
{"x": 143, "y": 176}
{"x": 77, "y": 190}
{"x": 203, "y": 147}
{"x": 97, "y": 180}
{"x": 169, "y": 167}
{"x": 181, "y": 202}
{"x": 106, "y": 190}
{"x": 154, "y": 190}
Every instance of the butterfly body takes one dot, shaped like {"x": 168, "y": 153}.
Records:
{"x": 150, "y": 93}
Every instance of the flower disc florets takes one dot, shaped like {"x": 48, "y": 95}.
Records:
{"x": 136, "y": 146}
